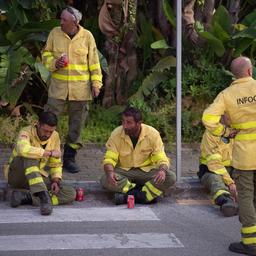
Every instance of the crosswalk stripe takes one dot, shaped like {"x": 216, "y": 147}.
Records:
{"x": 64, "y": 214}
{"x": 88, "y": 241}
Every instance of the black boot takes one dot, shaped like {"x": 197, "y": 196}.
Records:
{"x": 240, "y": 247}
{"x": 69, "y": 163}
{"x": 227, "y": 206}
{"x": 45, "y": 202}
{"x": 20, "y": 197}
{"x": 139, "y": 197}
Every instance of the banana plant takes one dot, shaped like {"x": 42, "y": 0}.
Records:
{"x": 24, "y": 26}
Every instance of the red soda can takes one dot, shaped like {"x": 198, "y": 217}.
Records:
{"x": 65, "y": 59}
{"x": 130, "y": 201}
{"x": 80, "y": 194}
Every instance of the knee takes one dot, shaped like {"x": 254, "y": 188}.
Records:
{"x": 170, "y": 178}
{"x": 70, "y": 194}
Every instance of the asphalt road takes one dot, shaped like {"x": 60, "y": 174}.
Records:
{"x": 180, "y": 227}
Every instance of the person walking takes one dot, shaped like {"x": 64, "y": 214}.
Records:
{"x": 71, "y": 56}
{"x": 238, "y": 102}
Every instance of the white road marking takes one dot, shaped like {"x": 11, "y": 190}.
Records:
{"x": 88, "y": 241}
{"x": 62, "y": 214}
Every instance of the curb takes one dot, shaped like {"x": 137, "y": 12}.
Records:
{"x": 186, "y": 185}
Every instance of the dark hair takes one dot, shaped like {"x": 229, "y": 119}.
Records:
{"x": 134, "y": 112}
{"x": 48, "y": 118}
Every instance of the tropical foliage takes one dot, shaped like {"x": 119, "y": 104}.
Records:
{"x": 213, "y": 36}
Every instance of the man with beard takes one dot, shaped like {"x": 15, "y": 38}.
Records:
{"x": 37, "y": 147}
{"x": 135, "y": 162}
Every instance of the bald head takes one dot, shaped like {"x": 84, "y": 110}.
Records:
{"x": 241, "y": 67}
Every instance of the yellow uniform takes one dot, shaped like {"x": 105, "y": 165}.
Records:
{"x": 238, "y": 102}
{"x": 28, "y": 145}
{"x": 83, "y": 70}
{"x": 148, "y": 153}
{"x": 215, "y": 165}
{"x": 216, "y": 155}
{"x": 137, "y": 165}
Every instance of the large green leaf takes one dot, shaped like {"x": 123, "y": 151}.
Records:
{"x": 246, "y": 33}
{"x": 214, "y": 42}
{"x": 165, "y": 64}
{"x": 26, "y": 4}
{"x": 241, "y": 45}
{"x": 169, "y": 13}
{"x": 33, "y": 27}
{"x": 219, "y": 32}
{"x": 17, "y": 75}
{"x": 44, "y": 73}
{"x": 250, "y": 19}
{"x": 149, "y": 83}
{"x": 18, "y": 12}
{"x": 221, "y": 16}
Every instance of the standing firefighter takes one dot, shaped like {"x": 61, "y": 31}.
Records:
{"x": 71, "y": 56}
{"x": 238, "y": 101}
{"x": 215, "y": 170}
{"x": 135, "y": 162}
{"x": 38, "y": 146}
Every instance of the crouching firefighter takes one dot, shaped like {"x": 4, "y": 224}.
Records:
{"x": 215, "y": 172}
{"x": 37, "y": 147}
{"x": 135, "y": 162}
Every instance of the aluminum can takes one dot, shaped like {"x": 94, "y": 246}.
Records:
{"x": 130, "y": 201}
{"x": 64, "y": 57}
{"x": 80, "y": 194}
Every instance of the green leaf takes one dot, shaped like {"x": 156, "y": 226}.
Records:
{"x": 165, "y": 63}
{"x": 26, "y": 4}
{"x": 241, "y": 45}
{"x": 169, "y": 13}
{"x": 248, "y": 33}
{"x": 219, "y": 32}
{"x": 152, "y": 81}
{"x": 215, "y": 43}
{"x": 103, "y": 62}
{"x": 160, "y": 44}
{"x": 221, "y": 16}
{"x": 249, "y": 19}
{"x": 44, "y": 73}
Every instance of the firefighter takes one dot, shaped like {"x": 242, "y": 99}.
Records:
{"x": 38, "y": 146}
{"x": 215, "y": 172}
{"x": 135, "y": 162}
{"x": 72, "y": 58}
{"x": 238, "y": 101}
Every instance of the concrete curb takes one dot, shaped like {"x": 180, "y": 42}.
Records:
{"x": 186, "y": 186}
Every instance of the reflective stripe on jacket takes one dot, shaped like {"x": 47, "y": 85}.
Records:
{"x": 83, "y": 70}
{"x": 238, "y": 101}
{"x": 148, "y": 154}
{"x": 28, "y": 145}
{"x": 216, "y": 155}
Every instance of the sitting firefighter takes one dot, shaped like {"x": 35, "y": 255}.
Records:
{"x": 215, "y": 171}
{"x": 135, "y": 162}
{"x": 38, "y": 146}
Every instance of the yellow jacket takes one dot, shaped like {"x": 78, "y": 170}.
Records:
{"x": 148, "y": 153}
{"x": 83, "y": 71}
{"x": 216, "y": 155}
{"x": 238, "y": 102}
{"x": 28, "y": 145}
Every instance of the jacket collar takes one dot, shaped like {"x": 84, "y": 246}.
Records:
{"x": 242, "y": 80}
